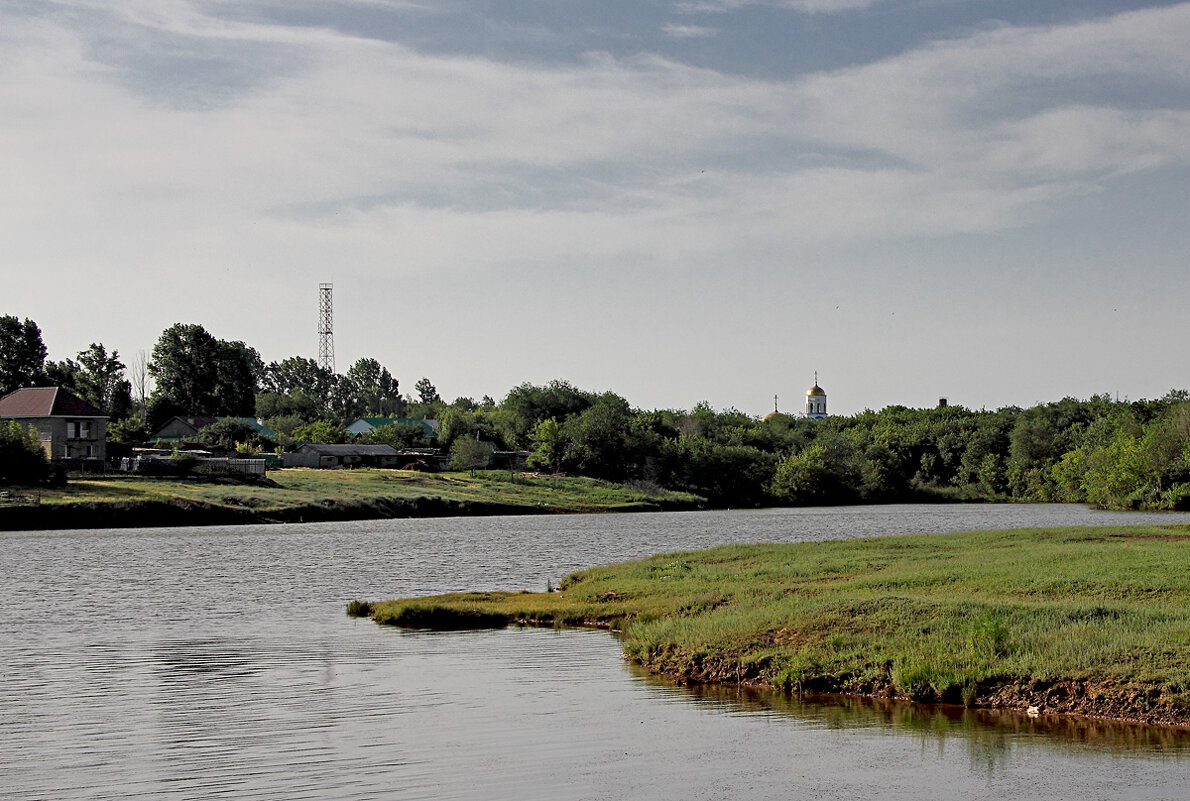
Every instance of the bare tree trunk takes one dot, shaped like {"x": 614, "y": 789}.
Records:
{"x": 140, "y": 382}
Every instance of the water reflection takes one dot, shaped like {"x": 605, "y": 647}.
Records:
{"x": 988, "y": 734}
{"x": 217, "y": 662}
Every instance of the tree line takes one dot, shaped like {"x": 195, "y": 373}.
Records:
{"x": 1110, "y": 453}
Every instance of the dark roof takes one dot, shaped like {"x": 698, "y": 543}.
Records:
{"x": 257, "y": 425}
{"x": 46, "y": 402}
{"x": 429, "y": 426}
{"x": 197, "y": 423}
{"x": 348, "y": 450}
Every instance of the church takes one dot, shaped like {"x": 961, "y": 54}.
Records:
{"x": 815, "y": 402}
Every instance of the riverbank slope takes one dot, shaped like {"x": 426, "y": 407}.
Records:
{"x": 306, "y": 495}
{"x": 1088, "y": 621}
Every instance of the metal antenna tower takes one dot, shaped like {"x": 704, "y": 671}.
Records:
{"x": 326, "y": 327}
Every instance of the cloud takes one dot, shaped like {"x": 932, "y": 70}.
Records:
{"x": 804, "y": 6}
{"x": 676, "y": 31}
{"x": 377, "y": 155}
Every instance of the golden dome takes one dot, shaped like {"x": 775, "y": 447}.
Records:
{"x": 815, "y": 390}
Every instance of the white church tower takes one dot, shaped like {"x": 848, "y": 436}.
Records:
{"x": 816, "y": 400}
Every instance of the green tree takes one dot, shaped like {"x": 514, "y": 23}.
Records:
{"x": 1118, "y": 474}
{"x": 128, "y": 431}
{"x": 399, "y": 435}
{"x": 296, "y": 404}
{"x": 22, "y": 354}
{"x": 455, "y": 423}
{"x": 230, "y": 433}
{"x": 527, "y": 405}
{"x": 598, "y": 439}
{"x": 427, "y": 393}
{"x": 101, "y": 381}
{"x": 299, "y": 374}
{"x": 198, "y": 374}
{"x": 735, "y": 475}
{"x": 549, "y": 446}
{"x": 238, "y": 372}
{"x": 184, "y": 366}
{"x": 22, "y": 459}
{"x": 824, "y": 472}
{"x": 378, "y": 391}
{"x": 63, "y": 374}
{"x": 470, "y": 454}
{"x": 322, "y": 431}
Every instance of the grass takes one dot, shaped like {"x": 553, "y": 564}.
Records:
{"x": 297, "y": 487}
{"x": 1091, "y": 620}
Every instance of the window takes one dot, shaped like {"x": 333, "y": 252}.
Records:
{"x": 85, "y": 429}
{"x": 72, "y": 429}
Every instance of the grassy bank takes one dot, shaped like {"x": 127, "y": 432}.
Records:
{"x": 306, "y": 495}
{"x": 1091, "y": 621}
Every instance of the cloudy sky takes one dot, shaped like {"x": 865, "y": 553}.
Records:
{"x": 985, "y": 200}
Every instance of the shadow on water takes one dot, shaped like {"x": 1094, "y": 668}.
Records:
{"x": 989, "y": 735}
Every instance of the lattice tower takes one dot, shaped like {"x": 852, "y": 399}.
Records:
{"x": 326, "y": 327}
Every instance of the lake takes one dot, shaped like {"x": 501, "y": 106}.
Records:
{"x": 218, "y": 662}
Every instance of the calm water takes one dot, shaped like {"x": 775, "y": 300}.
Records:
{"x": 218, "y": 663}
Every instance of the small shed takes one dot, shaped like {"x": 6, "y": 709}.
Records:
{"x": 313, "y": 454}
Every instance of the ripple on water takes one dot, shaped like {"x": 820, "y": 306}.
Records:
{"x": 218, "y": 663}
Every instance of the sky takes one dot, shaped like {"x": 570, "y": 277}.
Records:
{"x": 676, "y": 200}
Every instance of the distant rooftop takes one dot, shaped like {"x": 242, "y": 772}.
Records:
{"x": 46, "y": 402}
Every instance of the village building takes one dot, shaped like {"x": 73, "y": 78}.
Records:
{"x": 68, "y": 426}
{"x": 313, "y": 454}
{"x": 366, "y": 425}
{"x": 180, "y": 428}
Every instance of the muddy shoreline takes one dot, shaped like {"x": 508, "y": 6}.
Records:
{"x": 1091, "y": 699}
{"x": 153, "y": 514}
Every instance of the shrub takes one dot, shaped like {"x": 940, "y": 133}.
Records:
{"x": 22, "y": 459}
{"x": 359, "y": 609}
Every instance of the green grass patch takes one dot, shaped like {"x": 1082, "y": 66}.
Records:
{"x": 953, "y": 617}
{"x": 294, "y": 488}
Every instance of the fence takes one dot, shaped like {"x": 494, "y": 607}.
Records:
{"x": 193, "y": 466}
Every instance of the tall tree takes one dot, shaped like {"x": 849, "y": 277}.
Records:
{"x": 101, "y": 381}
{"x": 198, "y": 374}
{"x": 527, "y": 405}
{"x": 237, "y": 378}
{"x": 185, "y": 368}
{"x": 22, "y": 354}
{"x": 65, "y": 374}
{"x": 426, "y": 392}
{"x": 299, "y": 374}
{"x": 379, "y": 392}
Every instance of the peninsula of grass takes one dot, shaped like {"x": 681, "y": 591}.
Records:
{"x": 1091, "y": 621}
{"x": 306, "y": 495}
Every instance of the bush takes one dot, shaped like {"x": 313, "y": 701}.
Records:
{"x": 22, "y": 459}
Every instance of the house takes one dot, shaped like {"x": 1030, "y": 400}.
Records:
{"x": 180, "y": 428}
{"x": 313, "y": 454}
{"x": 366, "y": 425}
{"x": 68, "y": 426}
